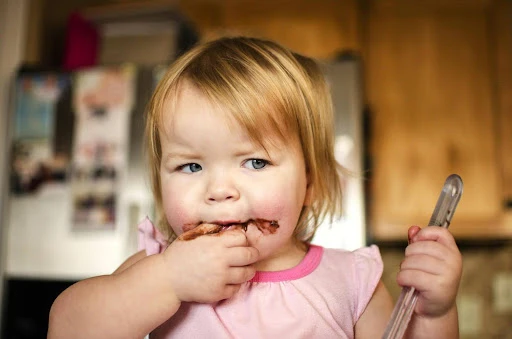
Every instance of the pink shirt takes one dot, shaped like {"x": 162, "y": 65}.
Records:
{"x": 322, "y": 297}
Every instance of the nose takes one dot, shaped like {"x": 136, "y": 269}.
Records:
{"x": 221, "y": 187}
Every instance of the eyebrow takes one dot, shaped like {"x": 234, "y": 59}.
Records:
{"x": 245, "y": 151}
{"x": 180, "y": 155}
{"x": 257, "y": 151}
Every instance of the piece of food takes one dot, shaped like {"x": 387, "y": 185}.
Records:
{"x": 265, "y": 226}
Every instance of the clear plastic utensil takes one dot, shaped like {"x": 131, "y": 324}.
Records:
{"x": 443, "y": 213}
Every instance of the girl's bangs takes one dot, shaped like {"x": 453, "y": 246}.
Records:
{"x": 257, "y": 105}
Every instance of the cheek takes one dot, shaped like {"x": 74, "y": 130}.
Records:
{"x": 273, "y": 206}
{"x": 283, "y": 204}
{"x": 176, "y": 210}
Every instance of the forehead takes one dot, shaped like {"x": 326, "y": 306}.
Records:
{"x": 190, "y": 108}
{"x": 192, "y": 116}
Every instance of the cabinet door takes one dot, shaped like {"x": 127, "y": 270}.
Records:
{"x": 320, "y": 29}
{"x": 430, "y": 90}
{"x": 503, "y": 26}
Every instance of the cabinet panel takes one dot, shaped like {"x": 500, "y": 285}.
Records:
{"x": 503, "y": 26}
{"x": 319, "y": 29}
{"x": 430, "y": 92}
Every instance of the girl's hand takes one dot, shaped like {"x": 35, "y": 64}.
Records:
{"x": 210, "y": 268}
{"x": 433, "y": 266}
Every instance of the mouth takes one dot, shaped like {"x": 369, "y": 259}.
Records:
{"x": 230, "y": 225}
{"x": 217, "y": 227}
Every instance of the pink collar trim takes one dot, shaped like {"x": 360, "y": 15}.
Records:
{"x": 306, "y": 266}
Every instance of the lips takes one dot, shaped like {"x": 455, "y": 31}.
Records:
{"x": 265, "y": 226}
{"x": 229, "y": 225}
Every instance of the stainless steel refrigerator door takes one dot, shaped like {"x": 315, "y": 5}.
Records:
{"x": 344, "y": 79}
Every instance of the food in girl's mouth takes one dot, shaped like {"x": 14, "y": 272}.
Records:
{"x": 265, "y": 226}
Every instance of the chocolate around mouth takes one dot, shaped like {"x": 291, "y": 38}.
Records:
{"x": 265, "y": 226}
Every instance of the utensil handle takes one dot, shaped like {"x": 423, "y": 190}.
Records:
{"x": 402, "y": 313}
{"x": 442, "y": 215}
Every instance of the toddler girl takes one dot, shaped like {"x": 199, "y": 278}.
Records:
{"x": 240, "y": 143}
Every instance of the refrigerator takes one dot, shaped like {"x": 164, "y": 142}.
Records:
{"x": 50, "y": 230}
{"x": 57, "y": 227}
{"x": 344, "y": 78}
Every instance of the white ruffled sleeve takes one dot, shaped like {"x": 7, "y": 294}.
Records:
{"x": 368, "y": 272}
{"x": 150, "y": 238}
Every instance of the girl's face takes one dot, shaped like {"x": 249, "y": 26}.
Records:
{"x": 212, "y": 172}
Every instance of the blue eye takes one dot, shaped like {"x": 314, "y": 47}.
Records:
{"x": 256, "y": 163}
{"x": 190, "y": 168}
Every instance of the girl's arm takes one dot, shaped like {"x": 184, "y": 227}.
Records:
{"x": 446, "y": 326}
{"x": 130, "y": 261}
{"x": 374, "y": 320}
{"x": 127, "y": 304}
{"x": 144, "y": 292}
{"x": 375, "y": 317}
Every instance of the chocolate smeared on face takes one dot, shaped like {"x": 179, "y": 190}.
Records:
{"x": 263, "y": 225}
{"x": 202, "y": 229}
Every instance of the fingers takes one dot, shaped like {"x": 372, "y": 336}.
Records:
{"x": 413, "y": 230}
{"x": 419, "y": 280}
{"x": 435, "y": 242}
{"x": 431, "y": 248}
{"x": 234, "y": 238}
{"x": 230, "y": 290}
{"x": 426, "y": 281}
{"x": 434, "y": 233}
{"x": 431, "y": 259}
{"x": 242, "y": 256}
{"x": 235, "y": 277}
{"x": 239, "y": 275}
{"x": 423, "y": 262}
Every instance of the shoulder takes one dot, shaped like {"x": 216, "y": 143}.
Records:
{"x": 363, "y": 258}
{"x": 150, "y": 238}
{"x": 362, "y": 267}
{"x": 150, "y": 241}
{"x": 360, "y": 272}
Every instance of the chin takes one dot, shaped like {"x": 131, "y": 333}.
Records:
{"x": 268, "y": 244}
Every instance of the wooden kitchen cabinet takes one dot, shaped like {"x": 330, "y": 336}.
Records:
{"x": 438, "y": 83}
{"x": 431, "y": 86}
{"x": 431, "y": 82}
{"x": 319, "y": 29}
{"x": 503, "y": 45}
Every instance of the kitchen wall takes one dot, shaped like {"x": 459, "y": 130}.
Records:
{"x": 322, "y": 29}
{"x": 486, "y": 282}
{"x": 481, "y": 312}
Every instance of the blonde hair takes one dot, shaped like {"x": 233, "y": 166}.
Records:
{"x": 266, "y": 89}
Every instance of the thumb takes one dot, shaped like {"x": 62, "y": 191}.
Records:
{"x": 413, "y": 230}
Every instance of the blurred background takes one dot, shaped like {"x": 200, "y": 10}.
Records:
{"x": 431, "y": 96}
